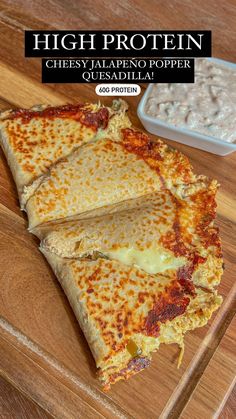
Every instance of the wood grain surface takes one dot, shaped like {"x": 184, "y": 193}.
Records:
{"x": 13, "y": 404}
{"x": 42, "y": 350}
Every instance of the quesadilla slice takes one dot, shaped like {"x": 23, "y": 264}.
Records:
{"x": 34, "y": 139}
{"x": 156, "y": 232}
{"x": 106, "y": 172}
{"x": 126, "y": 314}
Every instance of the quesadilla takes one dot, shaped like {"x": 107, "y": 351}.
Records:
{"x": 124, "y": 222}
{"x": 34, "y": 139}
{"x": 156, "y": 232}
{"x": 106, "y": 172}
{"x": 126, "y": 313}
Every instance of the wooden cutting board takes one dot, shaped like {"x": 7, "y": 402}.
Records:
{"x": 42, "y": 349}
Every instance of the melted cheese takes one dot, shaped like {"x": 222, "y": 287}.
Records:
{"x": 152, "y": 260}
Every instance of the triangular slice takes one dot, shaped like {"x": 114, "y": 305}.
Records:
{"x": 106, "y": 172}
{"x": 125, "y": 313}
{"x": 33, "y": 139}
{"x": 155, "y": 232}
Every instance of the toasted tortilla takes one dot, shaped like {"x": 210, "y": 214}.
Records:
{"x": 97, "y": 174}
{"x": 106, "y": 172}
{"x": 34, "y": 139}
{"x": 126, "y": 313}
{"x": 156, "y": 232}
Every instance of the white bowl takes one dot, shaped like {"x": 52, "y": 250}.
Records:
{"x": 184, "y": 135}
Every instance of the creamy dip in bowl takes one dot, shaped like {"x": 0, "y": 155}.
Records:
{"x": 203, "y": 113}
